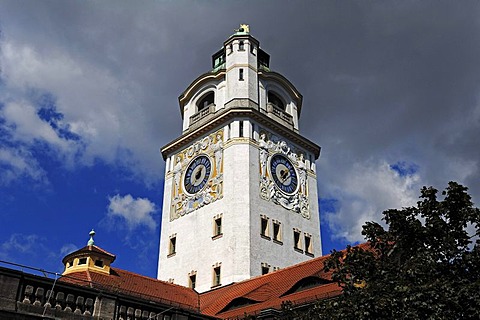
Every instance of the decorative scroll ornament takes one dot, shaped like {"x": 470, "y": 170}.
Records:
{"x": 269, "y": 190}
{"x": 182, "y": 202}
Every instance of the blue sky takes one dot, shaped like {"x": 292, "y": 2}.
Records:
{"x": 89, "y": 94}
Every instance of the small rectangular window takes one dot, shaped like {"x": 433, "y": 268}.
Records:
{"x": 240, "y": 128}
{"x": 99, "y": 263}
{"x": 264, "y": 227}
{"x": 82, "y": 261}
{"x": 308, "y": 244}
{"x": 173, "y": 246}
{"x": 217, "y": 227}
{"x": 265, "y": 268}
{"x": 192, "y": 281}
{"x": 216, "y": 277}
{"x": 296, "y": 240}
{"x": 241, "y": 46}
{"x": 277, "y": 235}
{"x": 240, "y": 74}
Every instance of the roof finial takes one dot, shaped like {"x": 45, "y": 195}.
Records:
{"x": 243, "y": 28}
{"x": 91, "y": 242}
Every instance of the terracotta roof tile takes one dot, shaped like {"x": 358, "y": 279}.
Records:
{"x": 87, "y": 250}
{"x": 269, "y": 290}
{"x": 256, "y": 294}
{"x": 137, "y": 285}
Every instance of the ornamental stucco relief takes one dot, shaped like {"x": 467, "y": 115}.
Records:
{"x": 183, "y": 202}
{"x": 297, "y": 201}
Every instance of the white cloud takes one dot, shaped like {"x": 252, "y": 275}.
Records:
{"x": 367, "y": 190}
{"x": 17, "y": 162}
{"x": 20, "y": 244}
{"x": 100, "y": 107}
{"x": 67, "y": 249}
{"x": 29, "y": 128}
{"x": 132, "y": 212}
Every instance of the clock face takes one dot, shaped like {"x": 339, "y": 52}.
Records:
{"x": 283, "y": 173}
{"x": 197, "y": 174}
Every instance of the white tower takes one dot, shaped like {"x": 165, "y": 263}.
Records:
{"x": 240, "y": 196}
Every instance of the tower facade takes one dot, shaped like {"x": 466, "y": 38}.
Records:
{"x": 240, "y": 195}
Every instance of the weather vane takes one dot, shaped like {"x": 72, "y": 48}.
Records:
{"x": 243, "y": 28}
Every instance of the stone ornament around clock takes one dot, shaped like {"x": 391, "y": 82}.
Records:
{"x": 197, "y": 174}
{"x": 284, "y": 173}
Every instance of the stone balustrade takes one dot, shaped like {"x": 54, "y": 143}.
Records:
{"x": 36, "y": 298}
{"x": 27, "y": 297}
{"x": 130, "y": 313}
{"x": 202, "y": 114}
{"x": 279, "y": 113}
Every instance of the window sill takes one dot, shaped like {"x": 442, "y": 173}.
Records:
{"x": 278, "y": 242}
{"x": 171, "y": 254}
{"x": 298, "y": 250}
{"x": 309, "y": 254}
{"x": 265, "y": 237}
{"x": 215, "y": 286}
{"x": 218, "y": 236}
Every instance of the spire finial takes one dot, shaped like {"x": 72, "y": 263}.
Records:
{"x": 91, "y": 242}
{"x": 245, "y": 28}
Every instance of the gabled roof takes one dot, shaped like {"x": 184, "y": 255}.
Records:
{"x": 270, "y": 290}
{"x": 133, "y": 284}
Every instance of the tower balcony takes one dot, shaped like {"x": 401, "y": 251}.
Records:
{"x": 203, "y": 114}
{"x": 279, "y": 115}
{"x": 272, "y": 111}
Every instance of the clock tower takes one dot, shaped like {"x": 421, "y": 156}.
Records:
{"x": 240, "y": 196}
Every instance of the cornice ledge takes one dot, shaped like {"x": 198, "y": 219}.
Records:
{"x": 224, "y": 116}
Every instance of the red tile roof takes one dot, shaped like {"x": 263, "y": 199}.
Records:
{"x": 133, "y": 284}
{"x": 88, "y": 250}
{"x": 252, "y": 295}
{"x": 269, "y": 291}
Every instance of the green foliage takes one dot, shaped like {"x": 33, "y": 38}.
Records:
{"x": 424, "y": 266}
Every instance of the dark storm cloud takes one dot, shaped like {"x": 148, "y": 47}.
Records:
{"x": 383, "y": 81}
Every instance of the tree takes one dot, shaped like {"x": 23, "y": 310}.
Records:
{"x": 426, "y": 265}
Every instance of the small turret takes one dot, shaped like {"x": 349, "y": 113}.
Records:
{"x": 90, "y": 257}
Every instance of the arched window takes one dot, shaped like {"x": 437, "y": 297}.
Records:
{"x": 276, "y": 100}
{"x": 206, "y": 100}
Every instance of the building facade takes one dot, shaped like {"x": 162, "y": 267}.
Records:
{"x": 240, "y": 195}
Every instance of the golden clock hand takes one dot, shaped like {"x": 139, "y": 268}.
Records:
{"x": 284, "y": 175}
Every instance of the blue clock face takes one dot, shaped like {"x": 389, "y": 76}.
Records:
{"x": 197, "y": 174}
{"x": 283, "y": 173}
